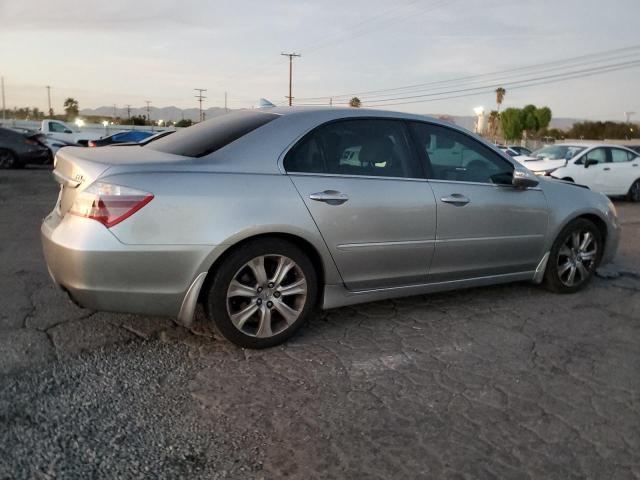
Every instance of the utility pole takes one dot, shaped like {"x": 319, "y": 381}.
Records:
{"x": 225, "y": 102}
{"x": 290, "y": 55}
{"x": 49, "y": 98}
{"x": 148, "y": 112}
{"x": 114, "y": 111}
{"x": 200, "y": 97}
{"x": 4, "y": 108}
{"x": 330, "y": 101}
{"x": 128, "y": 111}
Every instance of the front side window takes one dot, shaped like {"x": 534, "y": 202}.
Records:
{"x": 58, "y": 128}
{"x": 368, "y": 147}
{"x": 452, "y": 155}
{"x": 618, "y": 155}
{"x": 597, "y": 155}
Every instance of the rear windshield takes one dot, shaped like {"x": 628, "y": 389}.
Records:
{"x": 211, "y": 135}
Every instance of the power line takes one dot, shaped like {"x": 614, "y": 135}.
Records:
{"x": 200, "y": 97}
{"x": 522, "y": 84}
{"x": 559, "y": 63}
{"x": 290, "y": 55}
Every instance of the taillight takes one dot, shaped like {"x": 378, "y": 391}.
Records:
{"x": 92, "y": 143}
{"x": 109, "y": 204}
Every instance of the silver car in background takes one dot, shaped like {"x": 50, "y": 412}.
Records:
{"x": 264, "y": 215}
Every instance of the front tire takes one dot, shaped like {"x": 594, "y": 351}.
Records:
{"x": 262, "y": 293}
{"x": 634, "y": 192}
{"x": 8, "y": 159}
{"x": 574, "y": 257}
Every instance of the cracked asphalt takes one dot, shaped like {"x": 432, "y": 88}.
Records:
{"x": 499, "y": 382}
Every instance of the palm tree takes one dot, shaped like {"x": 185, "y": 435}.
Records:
{"x": 355, "y": 102}
{"x": 71, "y": 107}
{"x": 500, "y": 93}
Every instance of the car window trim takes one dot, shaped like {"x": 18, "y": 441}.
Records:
{"x": 484, "y": 184}
{"x": 405, "y": 130}
{"x": 342, "y": 175}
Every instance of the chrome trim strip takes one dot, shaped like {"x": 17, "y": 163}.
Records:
{"x": 480, "y": 239}
{"x": 190, "y": 301}
{"x": 400, "y": 243}
{"x": 339, "y": 175}
{"x": 494, "y": 185}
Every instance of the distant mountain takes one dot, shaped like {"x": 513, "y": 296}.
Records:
{"x": 169, "y": 114}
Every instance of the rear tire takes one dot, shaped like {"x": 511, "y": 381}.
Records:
{"x": 634, "y": 192}
{"x": 262, "y": 293}
{"x": 8, "y": 159}
{"x": 574, "y": 257}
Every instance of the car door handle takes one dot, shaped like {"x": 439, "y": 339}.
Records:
{"x": 456, "y": 199}
{"x": 634, "y": 164}
{"x": 332, "y": 197}
{"x": 606, "y": 169}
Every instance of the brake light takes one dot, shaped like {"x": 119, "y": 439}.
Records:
{"x": 92, "y": 143}
{"x": 109, "y": 204}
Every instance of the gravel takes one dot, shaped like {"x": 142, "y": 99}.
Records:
{"x": 124, "y": 412}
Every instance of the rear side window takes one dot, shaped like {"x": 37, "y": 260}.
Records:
{"x": 211, "y": 135}
{"x": 368, "y": 147}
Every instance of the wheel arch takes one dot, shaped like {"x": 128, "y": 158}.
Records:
{"x": 305, "y": 245}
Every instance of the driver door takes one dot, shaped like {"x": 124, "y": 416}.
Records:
{"x": 485, "y": 226}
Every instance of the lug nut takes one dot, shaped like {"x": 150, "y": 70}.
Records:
{"x": 276, "y": 294}
{"x": 259, "y": 289}
{"x": 259, "y": 301}
{"x": 270, "y": 304}
{"x": 270, "y": 285}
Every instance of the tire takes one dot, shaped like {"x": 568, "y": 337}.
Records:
{"x": 262, "y": 315}
{"x": 8, "y": 159}
{"x": 573, "y": 258}
{"x": 634, "y": 192}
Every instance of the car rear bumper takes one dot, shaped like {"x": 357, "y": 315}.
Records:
{"x": 101, "y": 273}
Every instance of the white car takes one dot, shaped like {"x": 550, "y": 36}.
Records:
{"x": 546, "y": 160}
{"x": 610, "y": 169}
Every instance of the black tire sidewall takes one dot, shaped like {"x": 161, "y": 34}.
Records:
{"x": 14, "y": 159}
{"x": 216, "y": 300}
{"x": 630, "y": 194}
{"x": 551, "y": 279}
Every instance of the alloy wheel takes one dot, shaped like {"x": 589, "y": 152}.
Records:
{"x": 266, "y": 295}
{"x": 577, "y": 257}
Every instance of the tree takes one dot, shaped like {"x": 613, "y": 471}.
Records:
{"x": 494, "y": 124}
{"x": 355, "y": 102}
{"x": 500, "y": 93}
{"x": 71, "y": 108}
{"x": 543, "y": 116}
{"x": 185, "y": 122}
{"x": 511, "y": 121}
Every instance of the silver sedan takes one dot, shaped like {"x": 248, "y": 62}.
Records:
{"x": 264, "y": 215}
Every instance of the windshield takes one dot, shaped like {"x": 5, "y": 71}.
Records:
{"x": 558, "y": 152}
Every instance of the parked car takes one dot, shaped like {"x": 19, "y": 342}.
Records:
{"x": 131, "y": 136}
{"x": 18, "y": 149}
{"x": 520, "y": 150}
{"x": 635, "y": 148}
{"x": 255, "y": 215}
{"x": 69, "y": 133}
{"x": 546, "y": 160}
{"x": 611, "y": 169}
{"x": 53, "y": 144}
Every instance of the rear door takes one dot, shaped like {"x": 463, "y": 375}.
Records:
{"x": 623, "y": 170}
{"x": 485, "y": 225}
{"x": 365, "y": 189}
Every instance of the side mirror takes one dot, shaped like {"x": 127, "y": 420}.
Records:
{"x": 523, "y": 179}
{"x": 590, "y": 161}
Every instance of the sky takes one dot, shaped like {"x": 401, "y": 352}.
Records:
{"x": 124, "y": 52}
